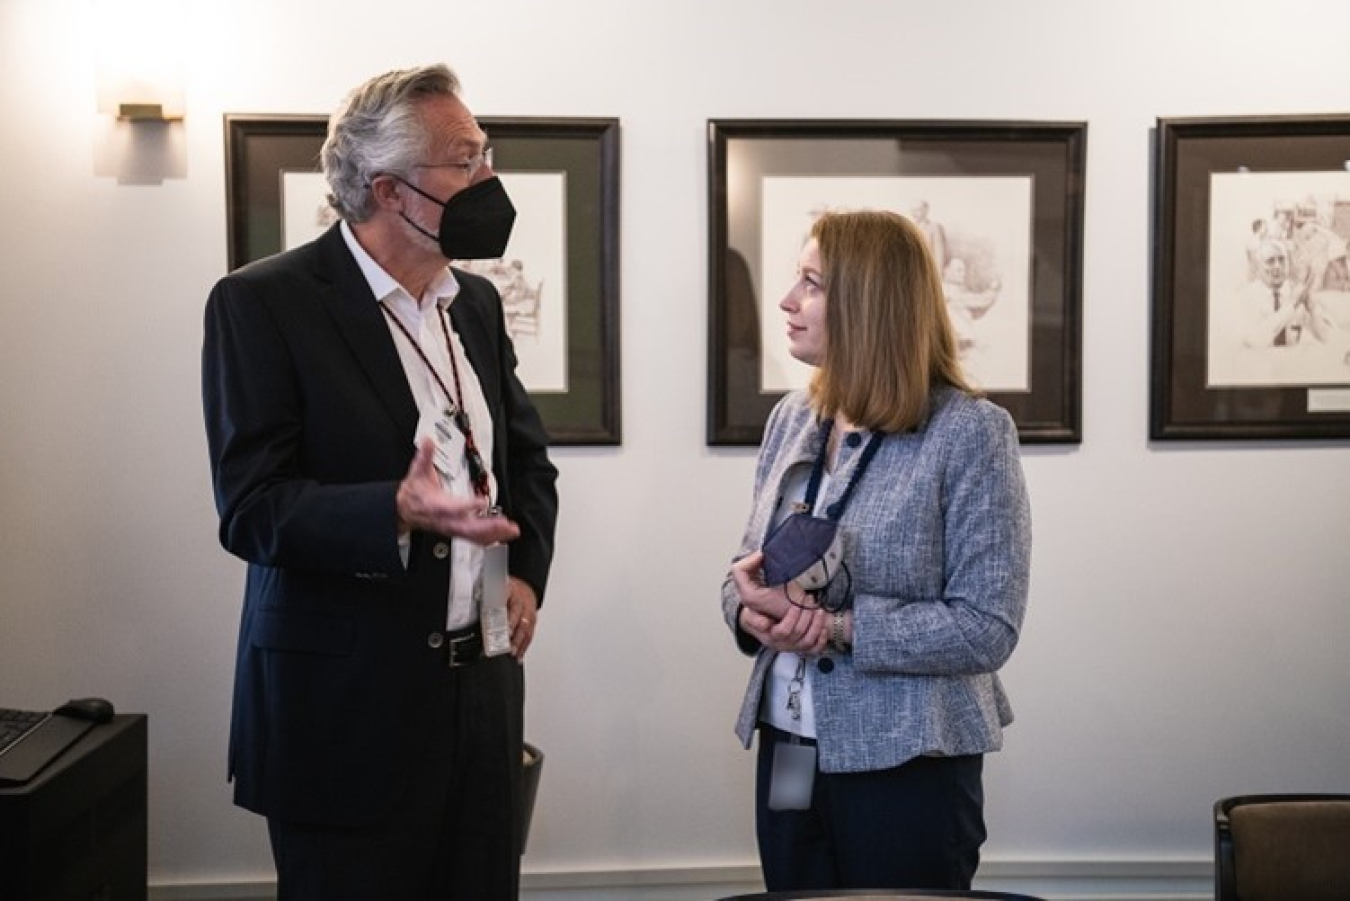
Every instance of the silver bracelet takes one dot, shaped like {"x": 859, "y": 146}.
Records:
{"x": 837, "y": 633}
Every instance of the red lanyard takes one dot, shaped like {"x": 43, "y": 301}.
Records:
{"x": 477, "y": 471}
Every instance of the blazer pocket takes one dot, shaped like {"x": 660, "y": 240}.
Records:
{"x": 276, "y": 631}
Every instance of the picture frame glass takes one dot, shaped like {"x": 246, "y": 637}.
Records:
{"x": 1251, "y": 299}
{"x": 1001, "y": 203}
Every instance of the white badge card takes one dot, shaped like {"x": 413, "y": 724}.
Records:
{"x": 448, "y": 456}
{"x": 496, "y": 624}
{"x": 794, "y": 774}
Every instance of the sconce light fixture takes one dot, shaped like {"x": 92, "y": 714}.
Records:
{"x": 140, "y": 97}
{"x": 146, "y": 112}
{"x": 139, "y": 61}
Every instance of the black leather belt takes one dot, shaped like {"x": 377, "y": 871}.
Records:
{"x": 462, "y": 646}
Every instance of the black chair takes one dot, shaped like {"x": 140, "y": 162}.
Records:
{"x": 882, "y": 895}
{"x": 1282, "y": 848}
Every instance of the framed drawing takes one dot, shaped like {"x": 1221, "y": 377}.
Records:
{"x": 1001, "y": 202}
{"x": 1251, "y": 288}
{"x": 559, "y": 280}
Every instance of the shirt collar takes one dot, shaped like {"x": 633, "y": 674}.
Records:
{"x": 443, "y": 287}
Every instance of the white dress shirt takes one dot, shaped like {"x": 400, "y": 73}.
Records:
{"x": 421, "y": 318}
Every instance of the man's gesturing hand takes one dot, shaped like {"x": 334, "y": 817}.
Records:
{"x": 424, "y": 504}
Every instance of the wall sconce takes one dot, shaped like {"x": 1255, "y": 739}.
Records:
{"x": 146, "y": 112}
{"x": 139, "y": 98}
{"x": 140, "y": 60}
{"x": 139, "y": 84}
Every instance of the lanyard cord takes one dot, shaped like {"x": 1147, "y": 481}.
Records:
{"x": 836, "y": 510}
{"x": 833, "y": 513}
{"x": 453, "y": 401}
{"x": 477, "y": 471}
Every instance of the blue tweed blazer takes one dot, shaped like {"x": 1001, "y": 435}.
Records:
{"x": 937, "y": 539}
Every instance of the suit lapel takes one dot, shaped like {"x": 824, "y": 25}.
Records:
{"x": 477, "y": 340}
{"x": 806, "y": 444}
{"x": 478, "y": 336}
{"x": 357, "y": 316}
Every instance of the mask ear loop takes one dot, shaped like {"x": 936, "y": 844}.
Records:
{"x": 820, "y": 596}
{"x": 805, "y": 594}
{"x": 826, "y": 591}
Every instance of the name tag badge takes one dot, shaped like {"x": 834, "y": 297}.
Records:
{"x": 496, "y": 624}
{"x": 448, "y": 457}
{"x": 792, "y": 777}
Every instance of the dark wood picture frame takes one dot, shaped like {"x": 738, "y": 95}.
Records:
{"x": 741, "y": 153}
{"x": 1209, "y": 175}
{"x": 259, "y": 148}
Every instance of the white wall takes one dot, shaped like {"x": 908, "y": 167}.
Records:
{"x": 1189, "y": 618}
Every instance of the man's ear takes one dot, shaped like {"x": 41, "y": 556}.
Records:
{"x": 385, "y": 190}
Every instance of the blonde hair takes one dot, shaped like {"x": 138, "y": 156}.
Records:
{"x": 890, "y": 341}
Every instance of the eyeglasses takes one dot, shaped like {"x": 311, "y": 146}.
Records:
{"x": 470, "y": 166}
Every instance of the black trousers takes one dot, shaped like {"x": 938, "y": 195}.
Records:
{"x": 918, "y": 825}
{"x": 454, "y": 834}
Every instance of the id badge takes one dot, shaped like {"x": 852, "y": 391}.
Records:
{"x": 496, "y": 624}
{"x": 793, "y": 775}
{"x": 448, "y": 456}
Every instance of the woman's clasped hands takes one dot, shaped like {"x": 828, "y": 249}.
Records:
{"x": 797, "y": 625}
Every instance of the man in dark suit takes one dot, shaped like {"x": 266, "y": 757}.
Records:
{"x": 372, "y": 452}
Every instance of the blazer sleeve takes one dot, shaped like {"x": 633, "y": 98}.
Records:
{"x": 532, "y": 477}
{"x": 980, "y": 542}
{"x": 783, "y": 418}
{"x": 301, "y": 478}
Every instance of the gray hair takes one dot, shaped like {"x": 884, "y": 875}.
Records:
{"x": 378, "y": 129}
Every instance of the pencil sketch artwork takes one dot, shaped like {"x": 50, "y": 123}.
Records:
{"x": 531, "y": 277}
{"x": 521, "y": 296}
{"x": 979, "y": 230}
{"x": 1279, "y": 283}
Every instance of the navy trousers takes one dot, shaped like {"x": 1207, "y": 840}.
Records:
{"x": 918, "y": 825}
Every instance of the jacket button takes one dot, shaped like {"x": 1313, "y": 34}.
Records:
{"x": 825, "y": 665}
{"x": 441, "y": 550}
{"x": 435, "y": 639}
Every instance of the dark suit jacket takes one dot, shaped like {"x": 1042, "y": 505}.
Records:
{"x": 310, "y": 426}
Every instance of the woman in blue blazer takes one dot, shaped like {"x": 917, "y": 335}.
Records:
{"x": 875, "y": 687}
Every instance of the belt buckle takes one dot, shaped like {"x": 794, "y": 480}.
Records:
{"x": 463, "y": 650}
